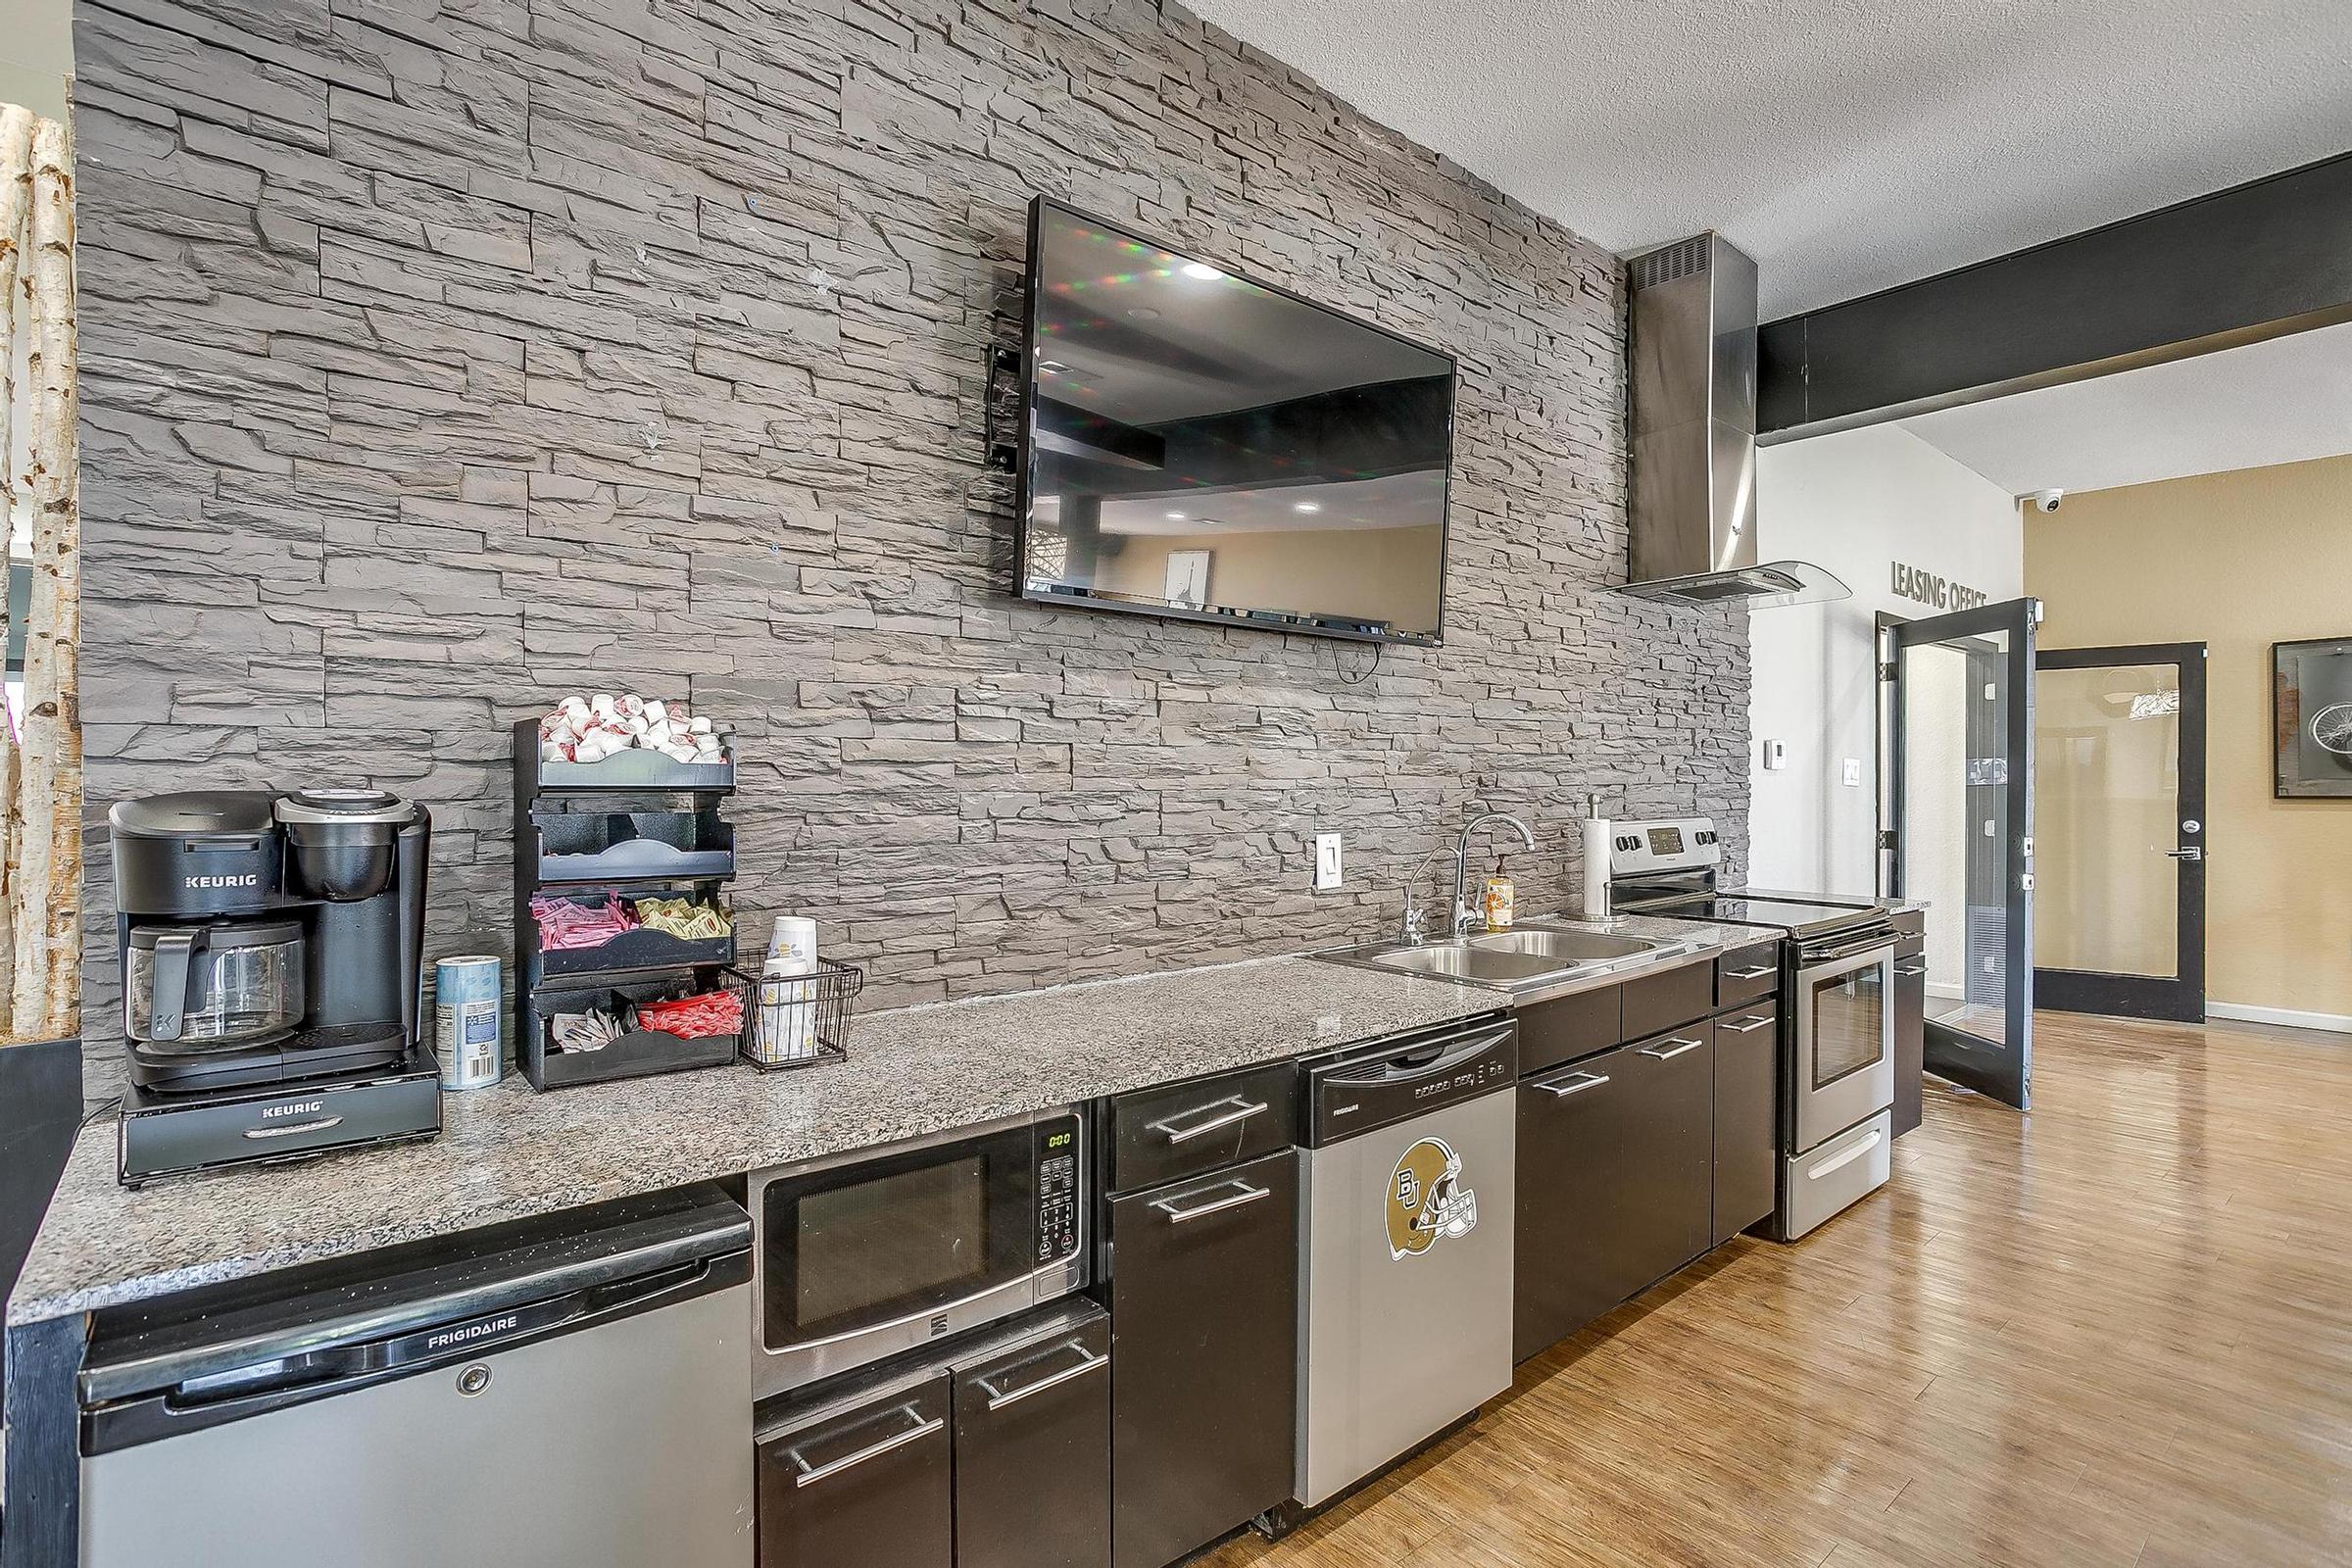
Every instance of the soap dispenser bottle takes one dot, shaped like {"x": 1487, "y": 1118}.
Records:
{"x": 1501, "y": 893}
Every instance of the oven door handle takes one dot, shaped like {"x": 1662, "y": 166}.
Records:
{"x": 811, "y": 1474}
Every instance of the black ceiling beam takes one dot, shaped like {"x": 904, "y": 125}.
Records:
{"x": 2257, "y": 261}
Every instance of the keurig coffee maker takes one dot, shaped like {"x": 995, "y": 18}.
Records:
{"x": 273, "y": 971}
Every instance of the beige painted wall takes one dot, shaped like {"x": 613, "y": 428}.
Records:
{"x": 2237, "y": 561}
{"x": 1397, "y": 571}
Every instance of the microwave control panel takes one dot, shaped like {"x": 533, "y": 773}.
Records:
{"x": 1056, "y": 1189}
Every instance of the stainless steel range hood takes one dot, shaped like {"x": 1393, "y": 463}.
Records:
{"x": 1694, "y": 508}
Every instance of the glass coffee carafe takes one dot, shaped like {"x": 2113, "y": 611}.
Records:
{"x": 213, "y": 986}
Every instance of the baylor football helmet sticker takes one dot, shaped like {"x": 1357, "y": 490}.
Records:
{"x": 1427, "y": 1199}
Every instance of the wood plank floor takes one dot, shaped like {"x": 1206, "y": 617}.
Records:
{"x": 2116, "y": 1332}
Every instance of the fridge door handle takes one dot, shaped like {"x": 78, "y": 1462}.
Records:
{"x": 923, "y": 1426}
{"x": 1088, "y": 1361}
{"x": 1242, "y": 1111}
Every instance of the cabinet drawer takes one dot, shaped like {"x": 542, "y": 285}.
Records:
{"x": 1568, "y": 1027}
{"x": 1751, "y": 974}
{"x": 1657, "y": 1003}
{"x": 1203, "y": 1300}
{"x": 1165, "y": 1135}
{"x": 867, "y": 1485}
{"x": 1033, "y": 1453}
{"x": 1747, "y": 1144}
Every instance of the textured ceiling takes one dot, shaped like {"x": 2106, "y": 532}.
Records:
{"x": 2283, "y": 401}
{"x": 1849, "y": 146}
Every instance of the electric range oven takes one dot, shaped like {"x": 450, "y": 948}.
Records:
{"x": 1836, "y": 988}
{"x": 859, "y": 1256}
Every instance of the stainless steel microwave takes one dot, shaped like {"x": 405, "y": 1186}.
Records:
{"x": 859, "y": 1257}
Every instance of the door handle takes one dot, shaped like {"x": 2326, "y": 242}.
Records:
{"x": 1845, "y": 1157}
{"x": 811, "y": 1475}
{"x": 1561, "y": 1089}
{"x": 1680, "y": 1046}
{"x": 1088, "y": 1361}
{"x": 2194, "y": 852}
{"x": 1247, "y": 1195}
{"x": 291, "y": 1128}
{"x": 1749, "y": 1027}
{"x": 1242, "y": 1111}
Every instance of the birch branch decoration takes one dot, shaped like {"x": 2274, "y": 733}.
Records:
{"x": 45, "y": 898}
{"x": 15, "y": 208}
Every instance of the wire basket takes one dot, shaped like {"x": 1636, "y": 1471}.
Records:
{"x": 803, "y": 1020}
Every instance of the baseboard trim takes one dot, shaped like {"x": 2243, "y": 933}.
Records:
{"x": 2333, "y": 1022}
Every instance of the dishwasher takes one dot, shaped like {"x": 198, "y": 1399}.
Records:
{"x": 568, "y": 1392}
{"x": 1407, "y": 1257}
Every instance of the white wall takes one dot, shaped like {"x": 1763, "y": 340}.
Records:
{"x": 36, "y": 52}
{"x": 1855, "y": 503}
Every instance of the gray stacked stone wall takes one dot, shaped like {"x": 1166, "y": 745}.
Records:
{"x": 442, "y": 357}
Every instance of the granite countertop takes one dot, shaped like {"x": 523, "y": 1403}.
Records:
{"x": 506, "y": 1152}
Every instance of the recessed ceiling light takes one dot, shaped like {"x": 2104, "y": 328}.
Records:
{"x": 1306, "y": 506}
{"x": 1202, "y": 270}
{"x": 1175, "y": 516}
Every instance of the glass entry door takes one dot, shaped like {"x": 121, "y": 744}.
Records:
{"x": 1961, "y": 836}
{"x": 2119, "y": 747}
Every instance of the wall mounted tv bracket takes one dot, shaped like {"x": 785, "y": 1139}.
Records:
{"x": 1003, "y": 374}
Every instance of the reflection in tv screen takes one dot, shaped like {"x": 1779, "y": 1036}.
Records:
{"x": 1204, "y": 445}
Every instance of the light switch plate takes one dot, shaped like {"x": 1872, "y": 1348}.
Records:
{"x": 1327, "y": 861}
{"x": 1853, "y": 771}
{"x": 1776, "y": 753}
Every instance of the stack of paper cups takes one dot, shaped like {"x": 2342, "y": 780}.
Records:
{"x": 788, "y": 991}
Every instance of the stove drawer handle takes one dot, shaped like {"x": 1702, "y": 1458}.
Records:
{"x": 1845, "y": 1157}
{"x": 1672, "y": 1049}
{"x": 1242, "y": 1111}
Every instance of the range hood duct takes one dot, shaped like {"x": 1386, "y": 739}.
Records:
{"x": 1694, "y": 509}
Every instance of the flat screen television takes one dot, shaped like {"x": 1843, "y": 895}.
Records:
{"x": 1200, "y": 446}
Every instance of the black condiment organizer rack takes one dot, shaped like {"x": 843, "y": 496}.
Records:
{"x": 673, "y": 811}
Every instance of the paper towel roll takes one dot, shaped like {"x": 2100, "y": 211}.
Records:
{"x": 1596, "y": 868}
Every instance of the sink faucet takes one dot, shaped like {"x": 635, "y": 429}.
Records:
{"x": 1463, "y": 911}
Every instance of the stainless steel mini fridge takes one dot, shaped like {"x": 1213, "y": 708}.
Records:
{"x": 572, "y": 1395}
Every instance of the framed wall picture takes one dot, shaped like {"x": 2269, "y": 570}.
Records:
{"x": 1187, "y": 579}
{"x": 2310, "y": 715}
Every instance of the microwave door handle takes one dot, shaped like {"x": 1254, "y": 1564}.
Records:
{"x": 811, "y": 1474}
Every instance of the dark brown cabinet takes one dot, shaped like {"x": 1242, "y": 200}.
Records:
{"x": 1616, "y": 1174}
{"x": 1033, "y": 1455}
{"x": 1748, "y": 1077}
{"x": 1203, "y": 1294}
{"x": 865, "y": 1484}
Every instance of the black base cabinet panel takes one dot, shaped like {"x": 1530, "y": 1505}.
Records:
{"x": 868, "y": 1485}
{"x": 1033, "y": 1455}
{"x": 1748, "y": 1081}
{"x": 1615, "y": 1181}
{"x": 1910, "y": 1032}
{"x": 1204, "y": 1313}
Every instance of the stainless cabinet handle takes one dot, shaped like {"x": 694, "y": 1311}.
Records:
{"x": 1680, "y": 1047}
{"x": 811, "y": 1475}
{"x": 1247, "y": 1195}
{"x": 1748, "y": 974}
{"x": 1845, "y": 1157}
{"x": 998, "y": 1399}
{"x": 1563, "y": 1088}
{"x": 1242, "y": 1110}
{"x": 1753, "y": 1024}
{"x": 291, "y": 1128}
{"x": 1910, "y": 968}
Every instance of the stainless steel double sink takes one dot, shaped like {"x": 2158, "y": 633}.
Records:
{"x": 1529, "y": 960}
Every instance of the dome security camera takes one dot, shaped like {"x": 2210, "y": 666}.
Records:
{"x": 2045, "y": 499}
